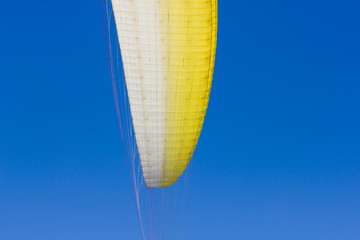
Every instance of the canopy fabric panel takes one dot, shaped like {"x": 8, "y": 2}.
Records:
{"x": 168, "y": 53}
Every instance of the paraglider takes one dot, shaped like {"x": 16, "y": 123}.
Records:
{"x": 167, "y": 53}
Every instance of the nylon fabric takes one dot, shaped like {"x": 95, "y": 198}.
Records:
{"x": 168, "y": 53}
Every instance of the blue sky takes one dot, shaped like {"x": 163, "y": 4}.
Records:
{"x": 278, "y": 158}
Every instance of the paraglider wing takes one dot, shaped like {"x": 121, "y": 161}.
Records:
{"x": 168, "y": 53}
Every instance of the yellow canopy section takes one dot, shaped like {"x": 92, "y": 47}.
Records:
{"x": 168, "y": 52}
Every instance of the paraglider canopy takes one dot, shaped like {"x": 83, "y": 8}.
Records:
{"x": 168, "y": 53}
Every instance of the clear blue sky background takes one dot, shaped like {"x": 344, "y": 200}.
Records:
{"x": 279, "y": 156}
